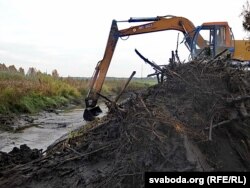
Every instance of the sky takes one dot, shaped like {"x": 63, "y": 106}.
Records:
{"x": 70, "y": 35}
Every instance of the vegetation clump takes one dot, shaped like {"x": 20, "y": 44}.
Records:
{"x": 36, "y": 91}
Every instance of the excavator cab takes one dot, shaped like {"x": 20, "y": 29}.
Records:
{"x": 217, "y": 37}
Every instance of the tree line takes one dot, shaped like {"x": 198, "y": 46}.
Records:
{"x": 31, "y": 71}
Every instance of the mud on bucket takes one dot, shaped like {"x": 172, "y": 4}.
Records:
{"x": 89, "y": 114}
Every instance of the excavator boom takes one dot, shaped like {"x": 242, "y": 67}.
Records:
{"x": 162, "y": 24}
{"x": 102, "y": 67}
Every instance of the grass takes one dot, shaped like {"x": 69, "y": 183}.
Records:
{"x": 20, "y": 93}
{"x": 29, "y": 94}
{"x": 111, "y": 86}
{"x": 115, "y": 85}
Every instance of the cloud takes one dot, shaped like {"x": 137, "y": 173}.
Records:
{"x": 70, "y": 35}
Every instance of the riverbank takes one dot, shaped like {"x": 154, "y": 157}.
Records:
{"x": 32, "y": 93}
{"x": 41, "y": 129}
{"x": 44, "y": 128}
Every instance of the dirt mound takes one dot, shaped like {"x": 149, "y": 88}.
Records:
{"x": 17, "y": 156}
{"x": 197, "y": 120}
{"x": 212, "y": 100}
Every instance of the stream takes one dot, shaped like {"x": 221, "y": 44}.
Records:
{"x": 45, "y": 129}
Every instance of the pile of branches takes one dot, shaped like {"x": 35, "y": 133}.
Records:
{"x": 213, "y": 90}
{"x": 212, "y": 99}
{"x": 186, "y": 123}
{"x": 112, "y": 153}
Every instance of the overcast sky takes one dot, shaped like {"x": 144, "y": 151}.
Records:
{"x": 71, "y": 35}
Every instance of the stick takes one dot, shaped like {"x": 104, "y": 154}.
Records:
{"x": 147, "y": 61}
{"x": 84, "y": 154}
{"x": 219, "y": 54}
{"x": 125, "y": 86}
{"x": 106, "y": 98}
{"x": 71, "y": 149}
{"x": 144, "y": 105}
{"x": 211, "y": 128}
{"x": 223, "y": 122}
{"x": 238, "y": 99}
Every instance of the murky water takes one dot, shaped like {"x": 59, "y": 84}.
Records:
{"x": 48, "y": 127}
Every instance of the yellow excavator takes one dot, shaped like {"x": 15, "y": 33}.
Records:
{"x": 210, "y": 38}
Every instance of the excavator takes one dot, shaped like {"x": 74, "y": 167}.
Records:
{"x": 210, "y": 39}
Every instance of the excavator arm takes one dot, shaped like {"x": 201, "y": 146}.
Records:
{"x": 101, "y": 68}
{"x": 155, "y": 24}
{"x": 162, "y": 24}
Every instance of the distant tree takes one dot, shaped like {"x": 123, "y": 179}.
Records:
{"x": 246, "y": 16}
{"x": 32, "y": 71}
{"x": 55, "y": 73}
{"x": 3, "y": 67}
{"x": 38, "y": 72}
{"x": 12, "y": 68}
{"x": 21, "y": 70}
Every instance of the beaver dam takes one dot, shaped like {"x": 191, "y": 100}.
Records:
{"x": 197, "y": 119}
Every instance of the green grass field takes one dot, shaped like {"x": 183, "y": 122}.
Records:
{"x": 20, "y": 93}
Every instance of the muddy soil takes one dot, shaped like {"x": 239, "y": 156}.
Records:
{"x": 42, "y": 129}
{"x": 17, "y": 156}
{"x": 196, "y": 120}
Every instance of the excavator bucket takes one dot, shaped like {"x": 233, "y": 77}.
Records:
{"x": 89, "y": 114}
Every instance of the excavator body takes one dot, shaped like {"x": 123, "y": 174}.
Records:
{"x": 210, "y": 39}
{"x": 218, "y": 37}
{"x": 242, "y": 50}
